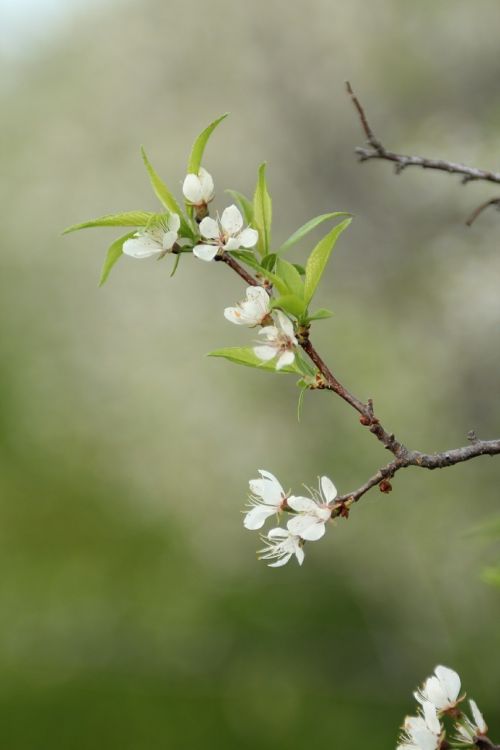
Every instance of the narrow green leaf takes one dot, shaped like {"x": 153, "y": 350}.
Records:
{"x": 262, "y": 210}
{"x": 161, "y": 190}
{"x": 245, "y": 356}
{"x": 269, "y": 261}
{"x": 176, "y": 264}
{"x": 308, "y": 227}
{"x": 115, "y": 251}
{"x": 244, "y": 204}
{"x": 196, "y": 155}
{"x": 316, "y": 263}
{"x": 299, "y": 268}
{"x": 291, "y": 304}
{"x": 127, "y": 219}
{"x": 301, "y": 400}
{"x": 320, "y": 314}
{"x": 291, "y": 277}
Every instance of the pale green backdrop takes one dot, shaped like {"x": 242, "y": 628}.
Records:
{"x": 133, "y": 613}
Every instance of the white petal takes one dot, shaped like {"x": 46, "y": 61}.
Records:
{"x": 301, "y": 504}
{"x": 258, "y": 294}
{"x": 299, "y": 554}
{"x": 286, "y": 324}
{"x": 478, "y": 717}
{"x": 278, "y": 533}
{"x": 174, "y": 222}
{"x": 281, "y": 562}
{"x": 267, "y": 475}
{"x": 284, "y": 360}
{"x": 256, "y": 518}
{"x": 328, "y": 489}
{"x": 169, "y": 239}
{"x": 232, "y": 244}
{"x": 265, "y": 353}
{"x": 141, "y": 247}
{"x": 314, "y": 532}
{"x": 231, "y": 220}
{"x": 191, "y": 189}
{"x": 431, "y": 718}
{"x": 205, "y": 252}
{"x": 248, "y": 237}
{"x": 207, "y": 185}
{"x": 233, "y": 314}
{"x": 270, "y": 492}
{"x": 450, "y": 680}
{"x": 298, "y": 525}
{"x": 269, "y": 332}
{"x": 209, "y": 228}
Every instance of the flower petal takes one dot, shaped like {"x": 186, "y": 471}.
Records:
{"x": 265, "y": 353}
{"x": 233, "y": 314}
{"x": 174, "y": 222}
{"x": 191, "y": 189}
{"x": 450, "y": 680}
{"x": 256, "y": 518}
{"x": 205, "y": 252}
{"x": 169, "y": 239}
{"x": 141, "y": 247}
{"x": 284, "y": 360}
{"x": 314, "y": 532}
{"x": 286, "y": 324}
{"x": 479, "y": 721}
{"x": 209, "y": 228}
{"x": 281, "y": 562}
{"x": 328, "y": 489}
{"x": 301, "y": 504}
{"x": 248, "y": 237}
{"x": 300, "y": 554}
{"x": 207, "y": 185}
{"x": 231, "y": 220}
{"x": 299, "y": 525}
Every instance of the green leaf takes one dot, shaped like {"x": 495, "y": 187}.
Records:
{"x": 241, "y": 355}
{"x": 176, "y": 264}
{"x": 299, "y": 268}
{"x": 262, "y": 210}
{"x": 316, "y": 263}
{"x": 320, "y": 314}
{"x": 244, "y": 204}
{"x": 269, "y": 261}
{"x": 127, "y": 219}
{"x": 291, "y": 277}
{"x": 115, "y": 251}
{"x": 196, "y": 155}
{"x": 161, "y": 190}
{"x": 303, "y": 389}
{"x": 308, "y": 227}
{"x": 291, "y": 304}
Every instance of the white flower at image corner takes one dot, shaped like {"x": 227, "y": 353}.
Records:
{"x": 155, "y": 240}
{"x": 442, "y": 689}
{"x": 422, "y": 732}
{"x": 225, "y": 233}
{"x": 198, "y": 189}
{"x": 312, "y": 512}
{"x": 268, "y": 498}
{"x": 279, "y": 342}
{"x": 281, "y": 546}
{"x": 253, "y": 310}
{"x": 466, "y": 729}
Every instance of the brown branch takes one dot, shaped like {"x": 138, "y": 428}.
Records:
{"x": 402, "y": 456}
{"x": 484, "y": 743}
{"x": 376, "y": 150}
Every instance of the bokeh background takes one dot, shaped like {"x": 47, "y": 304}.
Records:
{"x": 133, "y": 613}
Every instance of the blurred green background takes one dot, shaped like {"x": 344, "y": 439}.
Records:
{"x": 133, "y": 613}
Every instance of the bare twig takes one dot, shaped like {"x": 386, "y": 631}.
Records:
{"x": 376, "y": 150}
{"x": 403, "y": 457}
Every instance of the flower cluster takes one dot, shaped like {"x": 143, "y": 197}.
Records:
{"x": 309, "y": 516}
{"x": 278, "y": 335}
{"x": 439, "y": 698}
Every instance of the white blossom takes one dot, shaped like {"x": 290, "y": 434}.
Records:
{"x": 198, "y": 189}
{"x": 253, "y": 310}
{"x": 466, "y": 729}
{"x": 442, "y": 689}
{"x": 312, "y": 512}
{"x": 421, "y": 732}
{"x": 267, "y": 499}
{"x": 157, "y": 239}
{"x": 281, "y": 545}
{"x": 279, "y": 342}
{"x": 226, "y": 233}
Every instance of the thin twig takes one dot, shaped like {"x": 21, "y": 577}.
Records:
{"x": 376, "y": 150}
{"x": 403, "y": 457}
